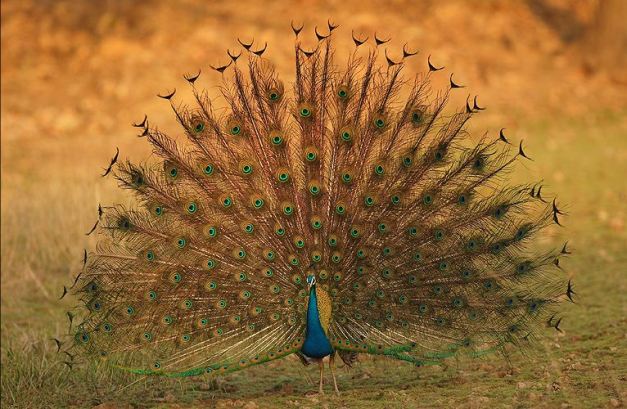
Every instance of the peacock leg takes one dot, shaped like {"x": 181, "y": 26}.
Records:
{"x": 332, "y": 367}
{"x": 321, "y": 364}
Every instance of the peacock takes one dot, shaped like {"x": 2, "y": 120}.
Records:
{"x": 349, "y": 213}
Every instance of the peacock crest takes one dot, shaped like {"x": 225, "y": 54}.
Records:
{"x": 347, "y": 209}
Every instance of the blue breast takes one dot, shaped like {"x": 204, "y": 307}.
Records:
{"x": 316, "y": 343}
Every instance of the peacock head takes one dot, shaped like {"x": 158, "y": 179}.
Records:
{"x": 311, "y": 280}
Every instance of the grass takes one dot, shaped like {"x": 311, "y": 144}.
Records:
{"x": 48, "y": 205}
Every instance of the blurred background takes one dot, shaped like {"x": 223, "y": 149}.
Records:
{"x": 76, "y": 74}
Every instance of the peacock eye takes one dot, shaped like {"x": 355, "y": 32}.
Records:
{"x": 274, "y": 95}
{"x": 226, "y": 201}
{"x": 311, "y": 153}
{"x": 342, "y": 92}
{"x": 417, "y": 117}
{"x": 283, "y": 176}
{"x": 478, "y": 164}
{"x": 379, "y": 122}
{"x": 83, "y": 337}
{"x": 137, "y": 179}
{"x": 316, "y": 224}
{"x": 439, "y": 234}
{"x": 235, "y": 130}
{"x": 124, "y": 224}
{"x": 199, "y": 127}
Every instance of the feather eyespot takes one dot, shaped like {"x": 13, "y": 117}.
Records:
{"x": 226, "y": 201}
{"x": 343, "y": 92}
{"x": 274, "y": 94}
{"x": 340, "y": 209}
{"x": 288, "y": 208}
{"x": 305, "y": 111}
{"x": 379, "y": 121}
{"x": 346, "y": 135}
{"x": 316, "y": 222}
{"x": 246, "y": 168}
{"x": 311, "y": 153}
{"x": 276, "y": 138}
{"x": 279, "y": 230}
{"x": 191, "y": 207}
{"x": 314, "y": 187}
{"x": 199, "y": 127}
{"x": 283, "y": 175}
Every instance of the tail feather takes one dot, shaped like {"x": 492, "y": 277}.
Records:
{"x": 357, "y": 176}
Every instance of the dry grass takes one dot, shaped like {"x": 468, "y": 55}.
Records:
{"x": 69, "y": 76}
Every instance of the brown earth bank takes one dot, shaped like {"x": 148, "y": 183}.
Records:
{"x": 77, "y": 68}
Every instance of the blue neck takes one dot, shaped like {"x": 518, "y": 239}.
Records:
{"x": 316, "y": 343}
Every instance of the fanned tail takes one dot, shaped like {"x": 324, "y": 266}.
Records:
{"x": 356, "y": 175}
